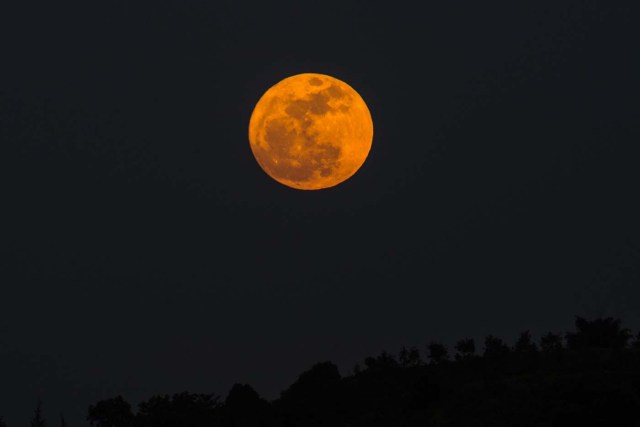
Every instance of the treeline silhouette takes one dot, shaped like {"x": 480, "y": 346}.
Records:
{"x": 588, "y": 377}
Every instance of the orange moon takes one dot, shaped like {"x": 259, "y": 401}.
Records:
{"x": 310, "y": 131}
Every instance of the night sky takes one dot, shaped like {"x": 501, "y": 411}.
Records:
{"x": 143, "y": 251}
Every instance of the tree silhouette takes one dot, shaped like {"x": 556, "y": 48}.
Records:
{"x": 525, "y": 355}
{"x": 114, "y": 412}
{"x": 383, "y": 361}
{"x": 635, "y": 344}
{"x": 495, "y": 347}
{"x": 181, "y": 409}
{"x": 38, "y": 420}
{"x": 244, "y": 407}
{"x": 2, "y": 423}
{"x": 551, "y": 343}
{"x": 598, "y": 333}
{"x": 438, "y": 353}
{"x": 356, "y": 369}
{"x": 313, "y": 397}
{"x": 317, "y": 381}
{"x": 409, "y": 358}
{"x": 524, "y": 343}
{"x": 466, "y": 349}
{"x": 63, "y": 422}
{"x": 506, "y": 386}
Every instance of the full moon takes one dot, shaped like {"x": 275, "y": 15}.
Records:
{"x": 310, "y": 131}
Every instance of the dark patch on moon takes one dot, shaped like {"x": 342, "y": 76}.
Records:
{"x": 335, "y": 91}
{"x": 330, "y": 159}
{"x": 297, "y": 109}
{"x": 279, "y": 138}
{"x": 317, "y": 104}
{"x": 314, "y": 81}
{"x": 297, "y": 167}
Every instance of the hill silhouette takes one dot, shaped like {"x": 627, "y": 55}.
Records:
{"x": 586, "y": 377}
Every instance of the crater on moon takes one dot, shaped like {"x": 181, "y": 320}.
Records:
{"x": 310, "y": 131}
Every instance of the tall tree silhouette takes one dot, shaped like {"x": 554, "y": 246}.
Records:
{"x": 409, "y": 358}
{"x": 38, "y": 419}
{"x": 114, "y": 412}
{"x": 63, "y": 422}
{"x": 466, "y": 348}
{"x": 495, "y": 347}
{"x": 437, "y": 352}
{"x": 598, "y": 333}
{"x": 313, "y": 399}
{"x": 551, "y": 343}
{"x": 244, "y": 407}
{"x": 524, "y": 344}
{"x": 383, "y": 361}
{"x": 525, "y": 356}
{"x": 180, "y": 409}
{"x": 635, "y": 344}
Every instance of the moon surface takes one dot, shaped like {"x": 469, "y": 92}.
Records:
{"x": 310, "y": 131}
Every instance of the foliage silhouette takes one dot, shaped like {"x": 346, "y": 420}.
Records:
{"x": 592, "y": 381}
{"x": 438, "y": 353}
{"x": 2, "y": 423}
{"x": 181, "y": 409}
{"x": 38, "y": 419}
{"x": 383, "y": 361}
{"x": 495, "y": 347}
{"x": 243, "y": 406}
{"x": 409, "y": 358}
{"x": 598, "y": 333}
{"x": 551, "y": 343}
{"x": 466, "y": 349}
{"x": 635, "y": 344}
{"x": 114, "y": 412}
{"x": 314, "y": 395}
{"x": 525, "y": 344}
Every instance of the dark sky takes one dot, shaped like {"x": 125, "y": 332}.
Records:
{"x": 144, "y": 251}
